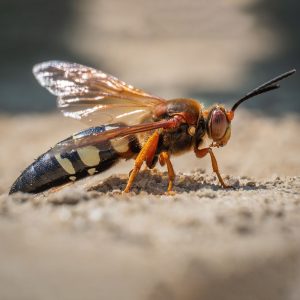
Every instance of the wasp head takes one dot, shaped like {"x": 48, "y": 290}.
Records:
{"x": 218, "y": 125}
{"x": 219, "y": 119}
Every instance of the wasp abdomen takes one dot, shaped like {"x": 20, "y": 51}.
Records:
{"x": 52, "y": 169}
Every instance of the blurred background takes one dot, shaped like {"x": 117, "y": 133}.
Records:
{"x": 74, "y": 243}
{"x": 214, "y": 51}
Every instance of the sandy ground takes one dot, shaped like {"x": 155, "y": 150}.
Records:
{"x": 88, "y": 241}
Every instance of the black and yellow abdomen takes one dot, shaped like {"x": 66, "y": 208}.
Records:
{"x": 52, "y": 169}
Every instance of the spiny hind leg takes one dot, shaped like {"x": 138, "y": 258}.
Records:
{"x": 164, "y": 158}
{"x": 201, "y": 153}
{"x": 146, "y": 154}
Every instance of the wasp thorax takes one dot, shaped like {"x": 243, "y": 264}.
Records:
{"x": 218, "y": 124}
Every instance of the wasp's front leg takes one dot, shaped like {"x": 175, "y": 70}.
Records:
{"x": 146, "y": 154}
{"x": 164, "y": 158}
{"x": 201, "y": 153}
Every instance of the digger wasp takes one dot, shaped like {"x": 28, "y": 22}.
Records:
{"x": 127, "y": 123}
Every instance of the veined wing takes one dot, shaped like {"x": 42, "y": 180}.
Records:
{"x": 92, "y": 96}
{"x": 116, "y": 132}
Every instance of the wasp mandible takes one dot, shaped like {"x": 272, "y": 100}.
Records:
{"x": 127, "y": 123}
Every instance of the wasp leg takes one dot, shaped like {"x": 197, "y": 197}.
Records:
{"x": 216, "y": 168}
{"x": 201, "y": 153}
{"x": 164, "y": 158}
{"x": 145, "y": 154}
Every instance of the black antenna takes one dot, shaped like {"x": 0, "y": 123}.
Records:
{"x": 266, "y": 87}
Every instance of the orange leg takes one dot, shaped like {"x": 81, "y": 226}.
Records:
{"x": 164, "y": 158}
{"x": 144, "y": 155}
{"x": 201, "y": 153}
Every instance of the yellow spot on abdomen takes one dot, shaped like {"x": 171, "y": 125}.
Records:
{"x": 92, "y": 171}
{"x": 120, "y": 145}
{"x": 89, "y": 155}
{"x": 65, "y": 164}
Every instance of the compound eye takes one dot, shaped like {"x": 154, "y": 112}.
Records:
{"x": 218, "y": 124}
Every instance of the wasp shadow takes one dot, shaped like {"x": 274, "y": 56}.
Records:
{"x": 156, "y": 183}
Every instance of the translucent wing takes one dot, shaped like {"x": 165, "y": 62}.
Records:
{"x": 118, "y": 133}
{"x": 93, "y": 96}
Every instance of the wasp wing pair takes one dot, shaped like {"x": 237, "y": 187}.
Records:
{"x": 97, "y": 98}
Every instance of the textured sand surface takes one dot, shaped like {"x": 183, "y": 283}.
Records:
{"x": 90, "y": 241}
